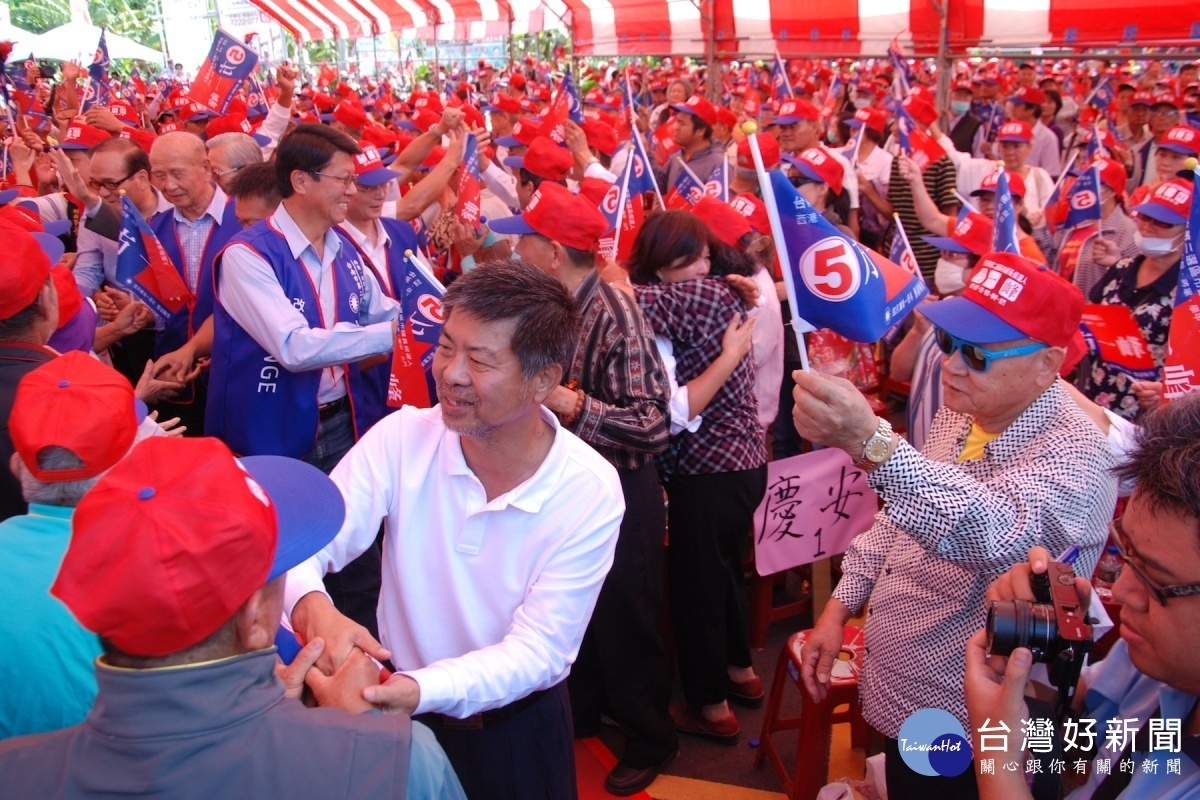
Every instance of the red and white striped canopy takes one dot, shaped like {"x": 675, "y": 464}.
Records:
{"x": 754, "y": 27}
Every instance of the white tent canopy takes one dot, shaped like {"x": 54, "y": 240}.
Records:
{"x": 18, "y": 36}
{"x": 77, "y": 40}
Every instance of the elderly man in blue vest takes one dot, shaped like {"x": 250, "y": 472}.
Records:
{"x": 296, "y": 311}
{"x": 192, "y": 234}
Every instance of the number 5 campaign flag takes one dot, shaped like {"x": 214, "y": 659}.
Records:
{"x": 229, "y": 62}
{"x": 1183, "y": 354}
{"x": 839, "y": 284}
{"x": 421, "y": 321}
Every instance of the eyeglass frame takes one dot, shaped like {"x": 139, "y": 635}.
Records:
{"x": 988, "y": 355}
{"x": 347, "y": 180}
{"x": 225, "y": 172}
{"x": 96, "y": 185}
{"x": 1160, "y": 592}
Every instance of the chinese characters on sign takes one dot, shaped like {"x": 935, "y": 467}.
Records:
{"x": 1079, "y": 739}
{"x": 815, "y": 504}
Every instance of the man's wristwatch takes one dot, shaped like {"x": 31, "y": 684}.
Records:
{"x": 877, "y": 449}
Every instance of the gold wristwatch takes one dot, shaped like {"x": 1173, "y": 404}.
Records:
{"x": 876, "y": 449}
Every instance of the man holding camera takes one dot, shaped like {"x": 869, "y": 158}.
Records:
{"x": 1010, "y": 462}
{"x": 1150, "y": 680}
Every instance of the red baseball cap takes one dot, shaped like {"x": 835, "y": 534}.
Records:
{"x": 817, "y": 165}
{"x": 78, "y": 403}
{"x": 1016, "y": 184}
{"x": 195, "y": 112}
{"x": 368, "y": 166}
{"x": 873, "y": 118}
{"x": 231, "y": 124}
{"x": 350, "y": 115}
{"x": 505, "y": 103}
{"x": 69, "y": 298}
{"x": 698, "y": 104}
{"x": 754, "y": 210}
{"x": 921, "y": 110}
{"x": 25, "y": 271}
{"x": 1170, "y": 202}
{"x": 594, "y": 189}
{"x": 427, "y": 100}
{"x": 1167, "y": 99}
{"x": 1112, "y": 174}
{"x": 1015, "y": 131}
{"x": 172, "y": 127}
{"x": 726, "y": 117}
{"x": 601, "y": 136}
{"x": 517, "y": 81}
{"x": 422, "y": 120}
{"x": 1011, "y": 297}
{"x": 793, "y": 110}
{"x": 123, "y": 111}
{"x": 379, "y": 136}
{"x": 1142, "y": 98}
{"x": 554, "y": 212}
{"x": 524, "y": 131}
{"x": 81, "y": 136}
{"x": 178, "y": 535}
{"x": 545, "y": 159}
{"x": 1182, "y": 139}
{"x": 143, "y": 138}
{"x": 726, "y": 224}
{"x": 1030, "y": 95}
{"x": 972, "y": 234}
{"x": 768, "y": 146}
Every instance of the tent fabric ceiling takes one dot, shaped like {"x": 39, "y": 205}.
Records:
{"x": 809, "y": 27}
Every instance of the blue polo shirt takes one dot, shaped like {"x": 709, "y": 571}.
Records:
{"x": 46, "y": 672}
{"x": 1116, "y": 690}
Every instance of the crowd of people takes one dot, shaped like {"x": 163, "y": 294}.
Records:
{"x": 215, "y": 516}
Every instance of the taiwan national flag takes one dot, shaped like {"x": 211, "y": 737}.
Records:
{"x": 899, "y": 65}
{"x": 1102, "y": 96}
{"x": 411, "y": 382}
{"x": 1004, "y": 235}
{"x": 1083, "y": 199}
{"x": 914, "y": 141}
{"x": 228, "y": 64}
{"x": 838, "y": 283}
{"x": 466, "y": 207}
{"x": 664, "y": 138}
{"x": 144, "y": 267}
{"x": 1183, "y": 355}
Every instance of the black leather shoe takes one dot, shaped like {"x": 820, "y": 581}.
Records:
{"x": 624, "y": 781}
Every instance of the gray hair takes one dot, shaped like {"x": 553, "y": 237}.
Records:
{"x": 58, "y": 493}
{"x": 241, "y": 149}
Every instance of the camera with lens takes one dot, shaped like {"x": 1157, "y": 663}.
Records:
{"x": 1055, "y": 628}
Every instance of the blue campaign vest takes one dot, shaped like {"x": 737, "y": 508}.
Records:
{"x": 255, "y": 405}
{"x": 401, "y": 237}
{"x": 184, "y": 324}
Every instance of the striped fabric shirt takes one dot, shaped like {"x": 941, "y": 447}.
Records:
{"x": 1119, "y": 227}
{"x": 193, "y": 236}
{"x": 694, "y": 316}
{"x": 616, "y": 364}
{"x": 939, "y": 181}
{"x": 948, "y": 529}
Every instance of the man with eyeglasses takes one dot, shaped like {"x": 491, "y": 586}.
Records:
{"x": 1152, "y": 675}
{"x": 1010, "y": 462}
{"x": 296, "y": 310}
{"x": 118, "y": 165}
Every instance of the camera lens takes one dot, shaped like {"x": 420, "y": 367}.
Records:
{"x": 1021, "y": 624}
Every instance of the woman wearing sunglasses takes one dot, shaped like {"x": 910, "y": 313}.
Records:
{"x": 1146, "y": 285}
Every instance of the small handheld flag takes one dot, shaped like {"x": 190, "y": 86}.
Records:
{"x": 1183, "y": 356}
{"x": 1005, "y": 220}
{"x": 144, "y": 267}
{"x": 1083, "y": 200}
{"x": 466, "y": 207}
{"x": 417, "y": 334}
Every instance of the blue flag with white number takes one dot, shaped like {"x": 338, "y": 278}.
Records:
{"x": 1083, "y": 201}
{"x": 1004, "y": 235}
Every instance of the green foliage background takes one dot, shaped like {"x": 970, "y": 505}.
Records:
{"x": 133, "y": 19}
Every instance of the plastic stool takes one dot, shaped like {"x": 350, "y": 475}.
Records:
{"x": 816, "y": 720}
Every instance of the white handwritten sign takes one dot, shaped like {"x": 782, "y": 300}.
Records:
{"x": 815, "y": 504}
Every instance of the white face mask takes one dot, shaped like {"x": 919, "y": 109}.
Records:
{"x": 1155, "y": 246}
{"x": 948, "y": 277}
{"x": 862, "y": 102}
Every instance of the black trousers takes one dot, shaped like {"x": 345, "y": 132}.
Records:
{"x": 622, "y": 667}
{"x": 905, "y": 784}
{"x": 710, "y": 522}
{"x": 529, "y": 756}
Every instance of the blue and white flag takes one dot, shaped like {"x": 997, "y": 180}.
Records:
{"x": 1004, "y": 234}
{"x": 780, "y": 83}
{"x": 718, "y": 183}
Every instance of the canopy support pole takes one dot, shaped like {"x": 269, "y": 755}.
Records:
{"x": 945, "y": 63}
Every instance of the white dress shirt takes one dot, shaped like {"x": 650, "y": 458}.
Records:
{"x": 1045, "y": 150}
{"x": 250, "y": 292}
{"x": 483, "y": 602}
{"x": 376, "y": 252}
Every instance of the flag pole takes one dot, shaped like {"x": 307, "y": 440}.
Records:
{"x": 965, "y": 201}
{"x": 799, "y": 325}
{"x": 1058, "y": 183}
